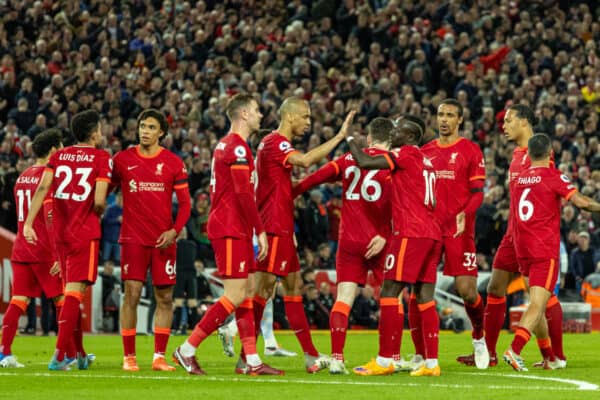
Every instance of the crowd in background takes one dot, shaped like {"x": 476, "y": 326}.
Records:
{"x": 381, "y": 57}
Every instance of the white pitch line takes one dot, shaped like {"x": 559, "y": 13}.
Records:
{"x": 425, "y": 382}
{"x": 581, "y": 385}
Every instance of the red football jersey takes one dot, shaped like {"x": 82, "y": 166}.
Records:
{"x": 413, "y": 194}
{"x": 76, "y": 170}
{"x": 227, "y": 218}
{"x": 274, "y": 190}
{"x": 537, "y": 194}
{"x": 147, "y": 183}
{"x": 458, "y": 168}
{"x": 23, "y": 251}
{"x": 366, "y": 202}
{"x": 519, "y": 163}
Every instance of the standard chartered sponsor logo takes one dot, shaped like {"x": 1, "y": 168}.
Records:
{"x": 151, "y": 186}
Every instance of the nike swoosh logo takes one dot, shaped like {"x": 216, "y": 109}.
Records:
{"x": 130, "y": 168}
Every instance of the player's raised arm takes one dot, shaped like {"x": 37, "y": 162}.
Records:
{"x": 366, "y": 161}
{"x": 330, "y": 172}
{"x": 584, "y": 202}
{"x": 320, "y": 152}
{"x": 36, "y": 204}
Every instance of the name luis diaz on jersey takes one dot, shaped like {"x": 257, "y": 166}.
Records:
{"x": 79, "y": 157}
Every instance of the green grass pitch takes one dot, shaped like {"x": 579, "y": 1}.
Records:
{"x": 106, "y": 380}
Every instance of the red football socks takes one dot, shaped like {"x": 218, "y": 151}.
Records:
{"x": 338, "y": 323}
{"x": 68, "y": 322}
{"x": 522, "y": 336}
{"x": 430, "y": 328}
{"x": 414, "y": 323}
{"x": 244, "y": 317}
{"x": 10, "y": 323}
{"x": 390, "y": 329}
{"x": 161, "y": 339}
{"x": 554, "y": 316}
{"x": 294, "y": 309}
{"x": 214, "y": 317}
{"x": 495, "y": 313}
{"x": 475, "y": 313}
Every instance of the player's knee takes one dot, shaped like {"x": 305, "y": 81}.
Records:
{"x": 495, "y": 288}
{"x": 390, "y": 289}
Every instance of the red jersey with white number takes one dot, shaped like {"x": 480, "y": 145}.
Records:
{"x": 274, "y": 190}
{"x": 76, "y": 170}
{"x": 23, "y": 251}
{"x": 413, "y": 194}
{"x": 536, "y": 195}
{"x": 227, "y": 217}
{"x": 459, "y": 168}
{"x": 147, "y": 184}
{"x": 366, "y": 202}
{"x": 519, "y": 163}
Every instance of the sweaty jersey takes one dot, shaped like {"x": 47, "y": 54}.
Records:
{"x": 227, "y": 217}
{"x": 24, "y": 252}
{"x": 459, "y": 169}
{"x": 76, "y": 170}
{"x": 147, "y": 184}
{"x": 274, "y": 190}
{"x": 413, "y": 194}
{"x": 366, "y": 201}
{"x": 537, "y": 194}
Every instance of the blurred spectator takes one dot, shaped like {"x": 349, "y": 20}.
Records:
{"x": 584, "y": 260}
{"x": 196, "y": 226}
{"x": 316, "y": 223}
{"x": 365, "y": 311}
{"x": 110, "y": 297}
{"x": 111, "y": 230}
{"x": 325, "y": 259}
{"x": 317, "y": 313}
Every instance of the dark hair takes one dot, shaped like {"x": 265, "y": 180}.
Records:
{"x": 157, "y": 115}
{"x": 413, "y": 125}
{"x": 524, "y": 112}
{"x": 237, "y": 102}
{"x": 380, "y": 129}
{"x": 84, "y": 124}
{"x": 539, "y": 146}
{"x": 45, "y": 141}
{"x": 455, "y": 103}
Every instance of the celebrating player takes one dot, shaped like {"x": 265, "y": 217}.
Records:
{"x": 233, "y": 218}
{"x": 364, "y": 228}
{"x": 35, "y": 268}
{"x": 460, "y": 175}
{"x": 148, "y": 174}
{"x": 414, "y": 249}
{"x": 275, "y": 158}
{"x": 78, "y": 176}
{"x": 536, "y": 194}
{"x": 518, "y": 126}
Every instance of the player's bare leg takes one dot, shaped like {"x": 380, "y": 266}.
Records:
{"x": 530, "y": 320}
{"x": 430, "y": 327}
{"x": 67, "y": 323}
{"x": 338, "y": 323}
{"x": 390, "y": 331}
{"x": 131, "y": 299}
{"x": 294, "y": 310}
{"x": 163, "y": 318}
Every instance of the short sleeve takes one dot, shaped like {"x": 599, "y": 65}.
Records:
{"x": 562, "y": 185}
{"x": 105, "y": 167}
{"x": 281, "y": 150}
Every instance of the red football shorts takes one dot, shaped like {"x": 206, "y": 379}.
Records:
{"x": 459, "y": 255}
{"x": 282, "y": 257}
{"x": 79, "y": 262}
{"x": 352, "y": 266}
{"x": 31, "y": 279}
{"x": 506, "y": 255}
{"x": 412, "y": 260}
{"x": 234, "y": 257}
{"x": 542, "y": 273}
{"x": 136, "y": 259}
